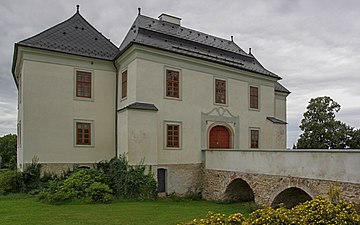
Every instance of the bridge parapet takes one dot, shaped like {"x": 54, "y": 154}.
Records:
{"x": 333, "y": 165}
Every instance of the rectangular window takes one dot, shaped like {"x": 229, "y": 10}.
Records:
{"x": 173, "y": 135}
{"x": 83, "y": 84}
{"x": 124, "y": 84}
{"x": 83, "y": 133}
{"x": 220, "y": 91}
{"x": 172, "y": 83}
{"x": 254, "y": 138}
{"x": 19, "y": 134}
{"x": 254, "y": 97}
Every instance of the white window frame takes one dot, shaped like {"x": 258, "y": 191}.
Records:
{"x": 180, "y": 83}
{"x": 92, "y": 85}
{"x": 179, "y": 123}
{"x": 259, "y": 99}
{"x": 226, "y": 91}
{"x": 92, "y": 133}
{"x": 259, "y": 140}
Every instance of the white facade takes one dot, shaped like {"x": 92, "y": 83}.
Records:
{"x": 48, "y": 108}
{"x": 138, "y": 125}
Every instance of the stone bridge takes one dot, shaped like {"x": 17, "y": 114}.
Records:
{"x": 271, "y": 177}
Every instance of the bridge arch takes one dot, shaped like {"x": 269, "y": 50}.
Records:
{"x": 239, "y": 190}
{"x": 290, "y": 197}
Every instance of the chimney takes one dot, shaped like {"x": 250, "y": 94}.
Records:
{"x": 170, "y": 19}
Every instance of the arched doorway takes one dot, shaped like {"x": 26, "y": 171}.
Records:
{"x": 219, "y": 137}
{"x": 290, "y": 197}
{"x": 239, "y": 191}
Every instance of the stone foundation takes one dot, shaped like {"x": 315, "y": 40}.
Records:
{"x": 183, "y": 179}
{"x": 59, "y": 168}
{"x": 267, "y": 187}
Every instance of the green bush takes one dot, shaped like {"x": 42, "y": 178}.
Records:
{"x": 99, "y": 192}
{"x": 8, "y": 151}
{"x": 76, "y": 186}
{"x": 31, "y": 176}
{"x": 128, "y": 181}
{"x": 11, "y": 181}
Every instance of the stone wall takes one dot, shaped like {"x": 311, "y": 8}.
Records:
{"x": 59, "y": 168}
{"x": 267, "y": 187}
{"x": 183, "y": 179}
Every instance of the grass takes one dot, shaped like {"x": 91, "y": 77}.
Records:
{"x": 22, "y": 209}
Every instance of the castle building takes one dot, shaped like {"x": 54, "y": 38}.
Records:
{"x": 163, "y": 96}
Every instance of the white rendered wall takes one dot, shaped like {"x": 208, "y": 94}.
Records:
{"x": 146, "y": 69}
{"x": 50, "y": 108}
{"x": 336, "y": 165}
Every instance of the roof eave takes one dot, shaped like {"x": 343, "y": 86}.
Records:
{"x": 237, "y": 67}
{"x": 14, "y": 64}
{"x": 70, "y": 53}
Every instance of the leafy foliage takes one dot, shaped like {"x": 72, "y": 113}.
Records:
{"x": 128, "y": 181}
{"x": 99, "y": 192}
{"x": 31, "y": 175}
{"x": 11, "y": 181}
{"x": 317, "y": 211}
{"x": 77, "y": 186}
{"x": 8, "y": 151}
{"x": 322, "y": 131}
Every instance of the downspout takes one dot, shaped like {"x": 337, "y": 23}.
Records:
{"x": 116, "y": 107}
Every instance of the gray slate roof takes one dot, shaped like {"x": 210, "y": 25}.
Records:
{"x": 74, "y": 36}
{"x": 168, "y": 36}
{"x": 281, "y": 88}
{"x": 77, "y": 36}
{"x": 140, "y": 106}
{"x": 276, "y": 120}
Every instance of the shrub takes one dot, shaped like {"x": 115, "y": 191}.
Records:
{"x": 317, "y": 211}
{"x": 76, "y": 186}
{"x": 99, "y": 192}
{"x": 11, "y": 182}
{"x": 31, "y": 176}
{"x": 128, "y": 181}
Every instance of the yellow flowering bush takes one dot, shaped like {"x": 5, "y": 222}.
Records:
{"x": 317, "y": 211}
{"x": 269, "y": 216}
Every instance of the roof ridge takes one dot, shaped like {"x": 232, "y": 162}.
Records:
{"x": 74, "y": 36}
{"x": 193, "y": 30}
{"x": 50, "y": 28}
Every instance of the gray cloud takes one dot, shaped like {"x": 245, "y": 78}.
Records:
{"x": 313, "y": 45}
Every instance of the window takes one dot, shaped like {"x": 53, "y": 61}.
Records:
{"x": 254, "y": 139}
{"x": 172, "y": 83}
{"x": 83, "y": 133}
{"x": 19, "y": 134}
{"x": 220, "y": 91}
{"x": 124, "y": 84}
{"x": 83, "y": 84}
{"x": 172, "y": 135}
{"x": 254, "y": 97}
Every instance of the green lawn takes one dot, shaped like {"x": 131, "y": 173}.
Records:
{"x": 19, "y": 209}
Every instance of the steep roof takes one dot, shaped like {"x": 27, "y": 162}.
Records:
{"x": 74, "y": 36}
{"x": 172, "y": 37}
{"x": 281, "y": 88}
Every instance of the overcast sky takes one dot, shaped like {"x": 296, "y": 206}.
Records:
{"x": 313, "y": 45}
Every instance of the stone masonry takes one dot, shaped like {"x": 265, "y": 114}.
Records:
{"x": 266, "y": 187}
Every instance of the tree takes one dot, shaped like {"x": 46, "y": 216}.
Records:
{"x": 8, "y": 151}
{"x": 322, "y": 131}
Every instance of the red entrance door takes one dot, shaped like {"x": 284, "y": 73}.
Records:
{"x": 219, "y": 137}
